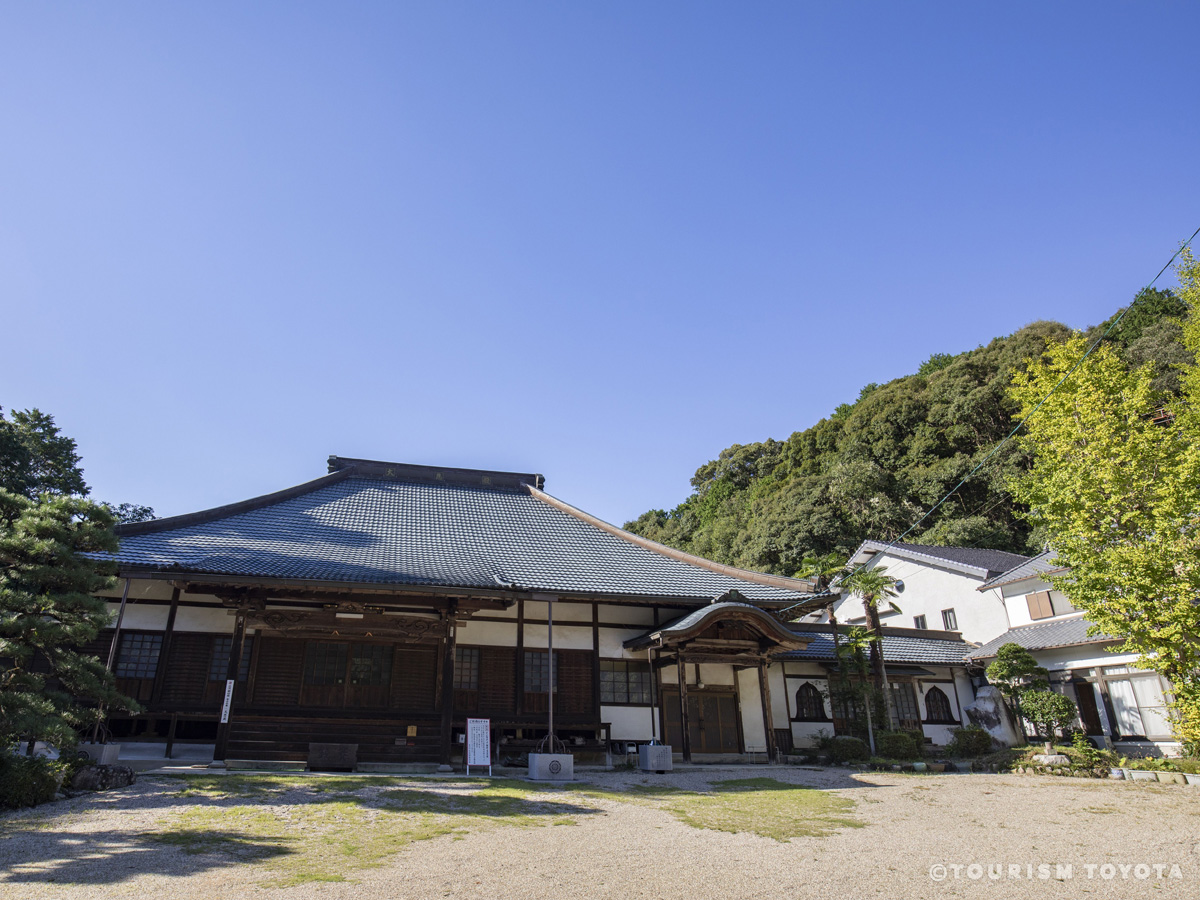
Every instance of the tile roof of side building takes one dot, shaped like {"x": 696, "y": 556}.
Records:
{"x": 377, "y": 523}
{"x": 1045, "y": 562}
{"x": 1066, "y": 632}
{"x": 910, "y": 645}
{"x": 981, "y": 561}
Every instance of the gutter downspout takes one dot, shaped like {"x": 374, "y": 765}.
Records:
{"x": 112, "y": 653}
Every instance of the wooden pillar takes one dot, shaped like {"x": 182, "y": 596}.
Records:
{"x": 596, "y": 665}
{"x": 519, "y": 685}
{"x": 164, "y": 657}
{"x": 684, "y": 725}
{"x": 448, "y": 684}
{"x": 231, "y": 673}
{"x": 764, "y": 688}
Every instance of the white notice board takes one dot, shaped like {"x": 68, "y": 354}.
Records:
{"x": 479, "y": 743}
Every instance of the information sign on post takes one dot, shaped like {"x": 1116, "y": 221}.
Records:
{"x": 228, "y": 702}
{"x": 479, "y": 744}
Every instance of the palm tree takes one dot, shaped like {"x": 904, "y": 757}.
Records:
{"x": 822, "y": 570}
{"x": 873, "y": 585}
{"x": 854, "y": 654}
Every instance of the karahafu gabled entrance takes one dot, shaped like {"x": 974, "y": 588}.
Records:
{"x": 727, "y": 633}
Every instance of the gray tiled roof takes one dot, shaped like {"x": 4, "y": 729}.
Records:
{"x": 393, "y": 531}
{"x": 718, "y": 611}
{"x": 993, "y": 562}
{"x": 1041, "y": 564}
{"x": 1042, "y": 636}
{"x": 896, "y": 648}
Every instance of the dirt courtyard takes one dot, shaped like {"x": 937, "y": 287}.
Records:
{"x": 722, "y": 833}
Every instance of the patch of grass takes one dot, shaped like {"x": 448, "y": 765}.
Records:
{"x": 762, "y": 806}
{"x": 304, "y": 829}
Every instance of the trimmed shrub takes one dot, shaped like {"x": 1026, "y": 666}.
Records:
{"x": 898, "y": 745}
{"x": 848, "y": 749}
{"x": 969, "y": 741}
{"x": 27, "y": 780}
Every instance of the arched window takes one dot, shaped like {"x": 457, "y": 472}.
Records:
{"x": 810, "y": 706}
{"x": 937, "y": 706}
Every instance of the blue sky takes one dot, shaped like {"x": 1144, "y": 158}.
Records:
{"x": 598, "y": 241}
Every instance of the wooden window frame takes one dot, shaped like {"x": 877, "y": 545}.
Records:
{"x": 218, "y": 667}
{"x": 626, "y": 667}
{"x": 809, "y": 688}
{"x": 929, "y": 719}
{"x": 138, "y": 643}
{"x": 466, "y": 668}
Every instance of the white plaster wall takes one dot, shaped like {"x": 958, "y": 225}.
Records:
{"x": 566, "y": 637}
{"x": 565, "y": 612}
{"x": 928, "y": 590}
{"x": 629, "y": 723}
{"x": 211, "y": 619}
{"x": 1082, "y": 657}
{"x": 805, "y": 734}
{"x": 711, "y": 673}
{"x": 780, "y": 704}
{"x": 140, "y": 616}
{"x": 1018, "y": 607}
{"x": 750, "y": 700}
{"x": 612, "y": 640}
{"x": 939, "y": 734}
{"x": 139, "y": 589}
{"x": 488, "y": 634}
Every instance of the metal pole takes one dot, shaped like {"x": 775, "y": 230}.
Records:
{"x": 653, "y": 699}
{"x": 112, "y": 648}
{"x": 550, "y": 663}
{"x": 112, "y": 652}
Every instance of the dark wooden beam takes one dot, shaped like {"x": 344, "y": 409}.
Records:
{"x": 448, "y": 688}
{"x": 686, "y": 737}
{"x": 764, "y": 688}
{"x": 231, "y": 674}
{"x": 164, "y": 658}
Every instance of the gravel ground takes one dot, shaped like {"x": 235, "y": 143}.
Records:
{"x": 90, "y": 847}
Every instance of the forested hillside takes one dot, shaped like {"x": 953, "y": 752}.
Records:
{"x": 875, "y": 465}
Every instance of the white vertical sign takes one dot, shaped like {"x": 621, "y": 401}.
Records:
{"x": 228, "y": 702}
{"x": 479, "y": 743}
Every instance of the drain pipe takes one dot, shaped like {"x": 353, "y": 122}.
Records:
{"x": 112, "y": 653}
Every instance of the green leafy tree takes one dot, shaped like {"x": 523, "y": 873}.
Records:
{"x": 1014, "y": 672}
{"x": 853, "y": 694}
{"x": 1117, "y": 495}
{"x": 871, "y": 586}
{"x": 1050, "y": 712}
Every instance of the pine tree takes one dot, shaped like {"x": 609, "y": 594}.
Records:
{"x": 48, "y": 688}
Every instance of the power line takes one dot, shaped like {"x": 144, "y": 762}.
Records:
{"x": 996, "y": 449}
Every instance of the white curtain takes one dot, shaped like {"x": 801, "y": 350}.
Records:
{"x": 1153, "y": 707}
{"x": 1129, "y": 719}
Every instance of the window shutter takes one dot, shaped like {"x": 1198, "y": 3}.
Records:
{"x": 1039, "y": 605}
{"x": 414, "y": 678}
{"x": 187, "y": 668}
{"x": 277, "y": 675}
{"x": 497, "y": 679}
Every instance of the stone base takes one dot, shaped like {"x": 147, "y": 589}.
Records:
{"x": 1051, "y": 759}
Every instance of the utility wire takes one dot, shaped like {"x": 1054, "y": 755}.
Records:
{"x": 996, "y": 449}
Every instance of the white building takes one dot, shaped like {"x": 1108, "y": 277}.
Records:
{"x": 1117, "y": 702}
{"x": 940, "y": 589}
